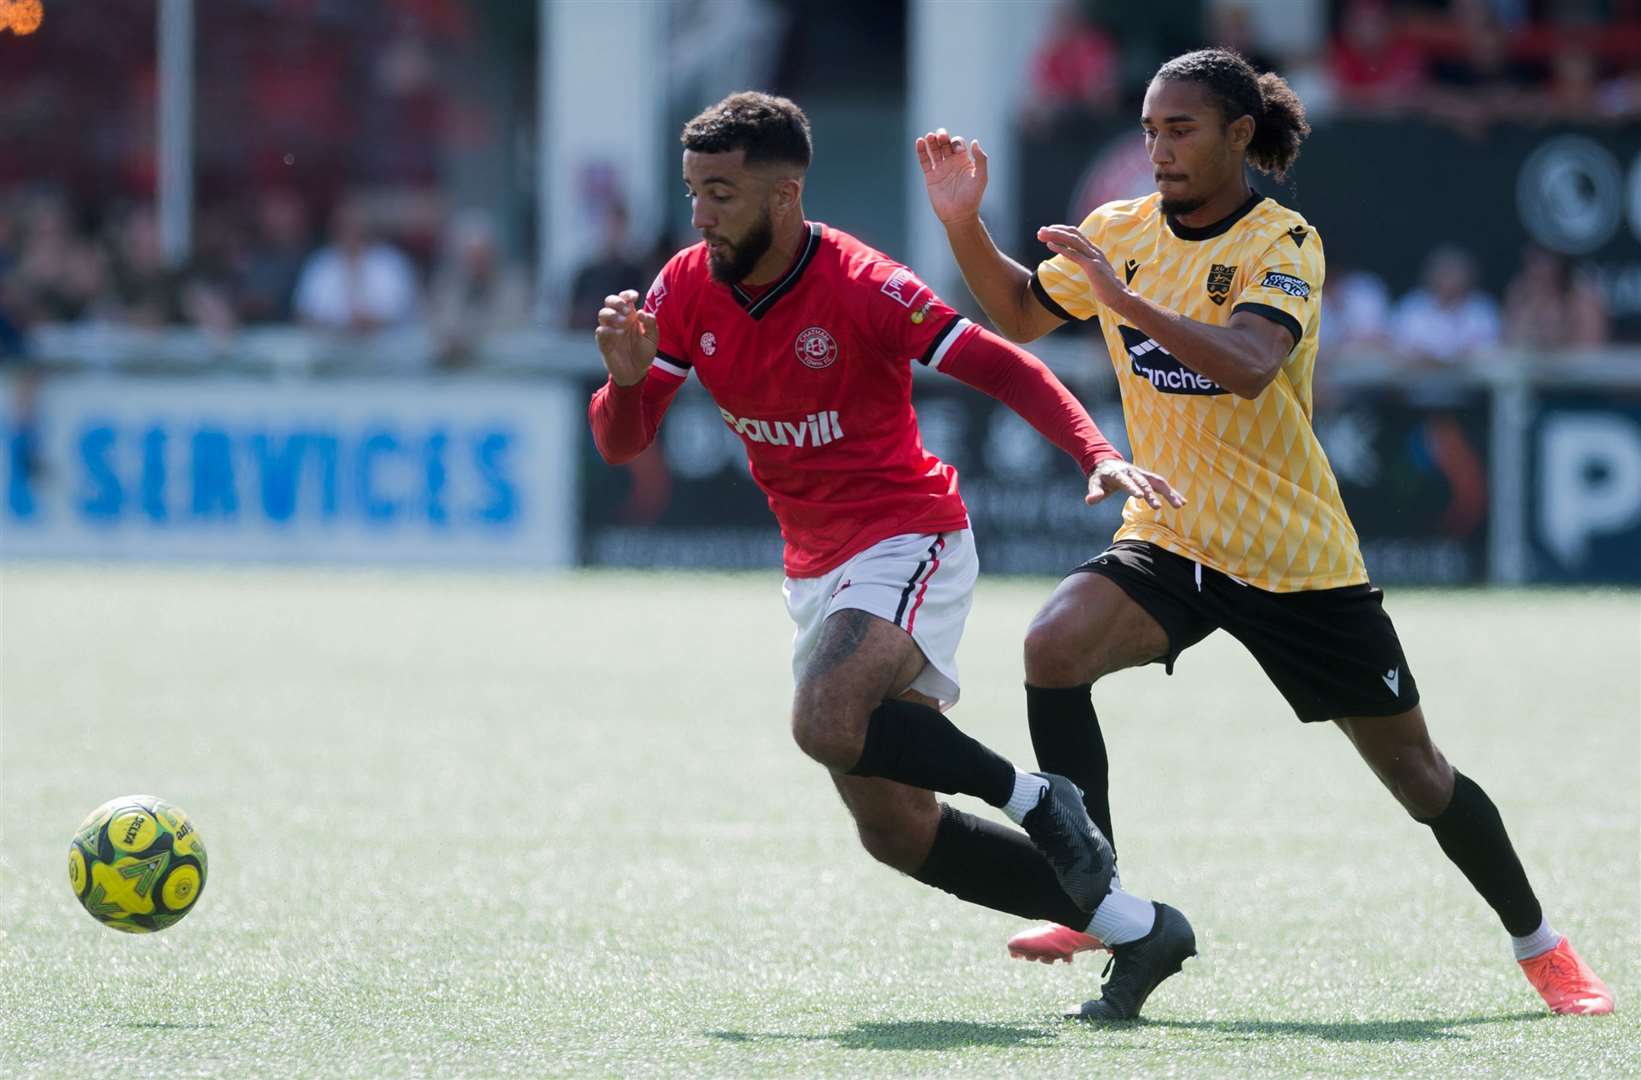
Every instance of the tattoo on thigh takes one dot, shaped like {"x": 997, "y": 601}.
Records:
{"x": 840, "y": 637}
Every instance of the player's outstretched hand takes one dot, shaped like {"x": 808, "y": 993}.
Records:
{"x": 1115, "y": 476}
{"x": 954, "y": 172}
{"x": 627, "y": 338}
{"x": 1068, "y": 240}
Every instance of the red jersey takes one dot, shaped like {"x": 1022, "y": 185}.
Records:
{"x": 814, "y": 374}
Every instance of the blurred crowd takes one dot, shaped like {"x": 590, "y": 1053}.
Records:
{"x": 1464, "y": 63}
{"x": 268, "y": 261}
{"x": 357, "y": 219}
{"x": 1448, "y": 320}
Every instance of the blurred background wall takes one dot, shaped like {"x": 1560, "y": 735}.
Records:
{"x": 314, "y": 279}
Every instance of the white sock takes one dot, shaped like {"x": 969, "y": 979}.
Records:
{"x": 1538, "y": 942}
{"x": 1028, "y": 789}
{"x": 1122, "y": 917}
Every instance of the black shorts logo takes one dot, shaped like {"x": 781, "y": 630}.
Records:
{"x": 1158, "y": 367}
{"x": 1219, "y": 282}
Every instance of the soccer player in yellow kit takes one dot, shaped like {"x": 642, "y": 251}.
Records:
{"x": 1208, "y": 295}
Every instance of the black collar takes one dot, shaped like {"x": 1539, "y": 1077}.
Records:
{"x": 757, "y": 308}
{"x": 1218, "y": 228}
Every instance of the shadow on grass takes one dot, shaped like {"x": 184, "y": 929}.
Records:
{"x": 958, "y": 1034}
{"x": 1367, "y": 1031}
{"x": 909, "y": 1035}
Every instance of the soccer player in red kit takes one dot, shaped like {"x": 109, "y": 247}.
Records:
{"x": 805, "y": 339}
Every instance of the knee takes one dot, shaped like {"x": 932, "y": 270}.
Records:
{"x": 1054, "y": 656}
{"x": 901, "y": 839}
{"x": 829, "y": 729}
{"x": 1421, "y": 780}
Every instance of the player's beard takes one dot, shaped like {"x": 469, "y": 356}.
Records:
{"x": 1177, "y": 207}
{"x": 743, "y": 256}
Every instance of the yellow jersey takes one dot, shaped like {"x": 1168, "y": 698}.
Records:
{"x": 1263, "y": 504}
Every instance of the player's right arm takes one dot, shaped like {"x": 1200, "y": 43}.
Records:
{"x": 626, "y": 411}
{"x": 954, "y": 175}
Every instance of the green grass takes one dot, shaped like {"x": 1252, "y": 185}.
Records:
{"x": 526, "y": 825}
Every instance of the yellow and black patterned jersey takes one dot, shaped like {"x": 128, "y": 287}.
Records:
{"x": 1263, "y": 505}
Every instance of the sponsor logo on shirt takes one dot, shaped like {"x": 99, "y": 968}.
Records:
{"x": 709, "y": 343}
{"x": 816, "y": 429}
{"x": 816, "y": 348}
{"x": 1158, "y": 367}
{"x": 904, "y": 287}
{"x": 1287, "y": 283}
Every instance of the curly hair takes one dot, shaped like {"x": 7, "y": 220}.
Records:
{"x": 768, "y": 128}
{"x": 1279, "y": 116}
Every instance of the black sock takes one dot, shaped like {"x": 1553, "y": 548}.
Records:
{"x": 1066, "y": 736}
{"x": 994, "y": 866}
{"x": 1472, "y": 834}
{"x": 913, "y": 744}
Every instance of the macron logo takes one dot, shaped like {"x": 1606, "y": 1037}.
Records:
{"x": 816, "y": 429}
{"x": 1393, "y": 679}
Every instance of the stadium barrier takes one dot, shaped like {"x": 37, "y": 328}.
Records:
{"x": 1520, "y": 470}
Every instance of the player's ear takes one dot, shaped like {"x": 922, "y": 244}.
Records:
{"x": 1241, "y": 132}
{"x": 788, "y": 193}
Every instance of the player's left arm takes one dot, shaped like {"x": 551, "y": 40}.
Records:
{"x": 1245, "y": 354}
{"x": 1025, "y": 384}
{"x": 909, "y": 320}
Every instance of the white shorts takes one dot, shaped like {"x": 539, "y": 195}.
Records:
{"x": 921, "y": 582}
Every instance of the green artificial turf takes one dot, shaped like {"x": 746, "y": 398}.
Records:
{"x": 513, "y": 825}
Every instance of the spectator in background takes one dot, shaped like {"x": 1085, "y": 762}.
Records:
{"x": 1231, "y": 26}
{"x": 355, "y": 283}
{"x": 1447, "y": 319}
{"x": 1372, "y": 64}
{"x": 475, "y": 292}
{"x": 147, "y": 289}
{"x": 12, "y": 304}
{"x": 1483, "y": 82}
{"x": 610, "y": 271}
{"x": 1355, "y": 312}
{"x": 1076, "y": 67}
{"x": 1574, "y": 89}
{"x": 1620, "y": 96}
{"x": 60, "y": 276}
{"x": 1550, "y": 306}
{"x": 274, "y": 263}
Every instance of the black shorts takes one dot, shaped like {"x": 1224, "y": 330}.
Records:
{"x": 1333, "y": 653}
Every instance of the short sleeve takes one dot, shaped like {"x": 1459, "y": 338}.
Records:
{"x": 1060, "y": 284}
{"x": 1285, "y": 284}
{"x": 905, "y": 315}
{"x": 672, "y": 353}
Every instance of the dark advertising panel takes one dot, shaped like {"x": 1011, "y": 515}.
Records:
{"x": 1584, "y": 488}
{"x": 690, "y": 502}
{"x": 1412, "y": 474}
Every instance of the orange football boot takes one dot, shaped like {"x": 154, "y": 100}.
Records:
{"x": 1565, "y": 982}
{"x": 1047, "y": 944}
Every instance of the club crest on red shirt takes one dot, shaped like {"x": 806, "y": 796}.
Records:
{"x": 816, "y": 348}
{"x": 709, "y": 343}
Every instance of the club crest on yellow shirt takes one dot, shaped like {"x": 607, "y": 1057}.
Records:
{"x": 1219, "y": 282}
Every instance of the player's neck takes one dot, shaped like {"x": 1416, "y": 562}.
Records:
{"x": 783, "y": 251}
{"x": 1221, "y": 206}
